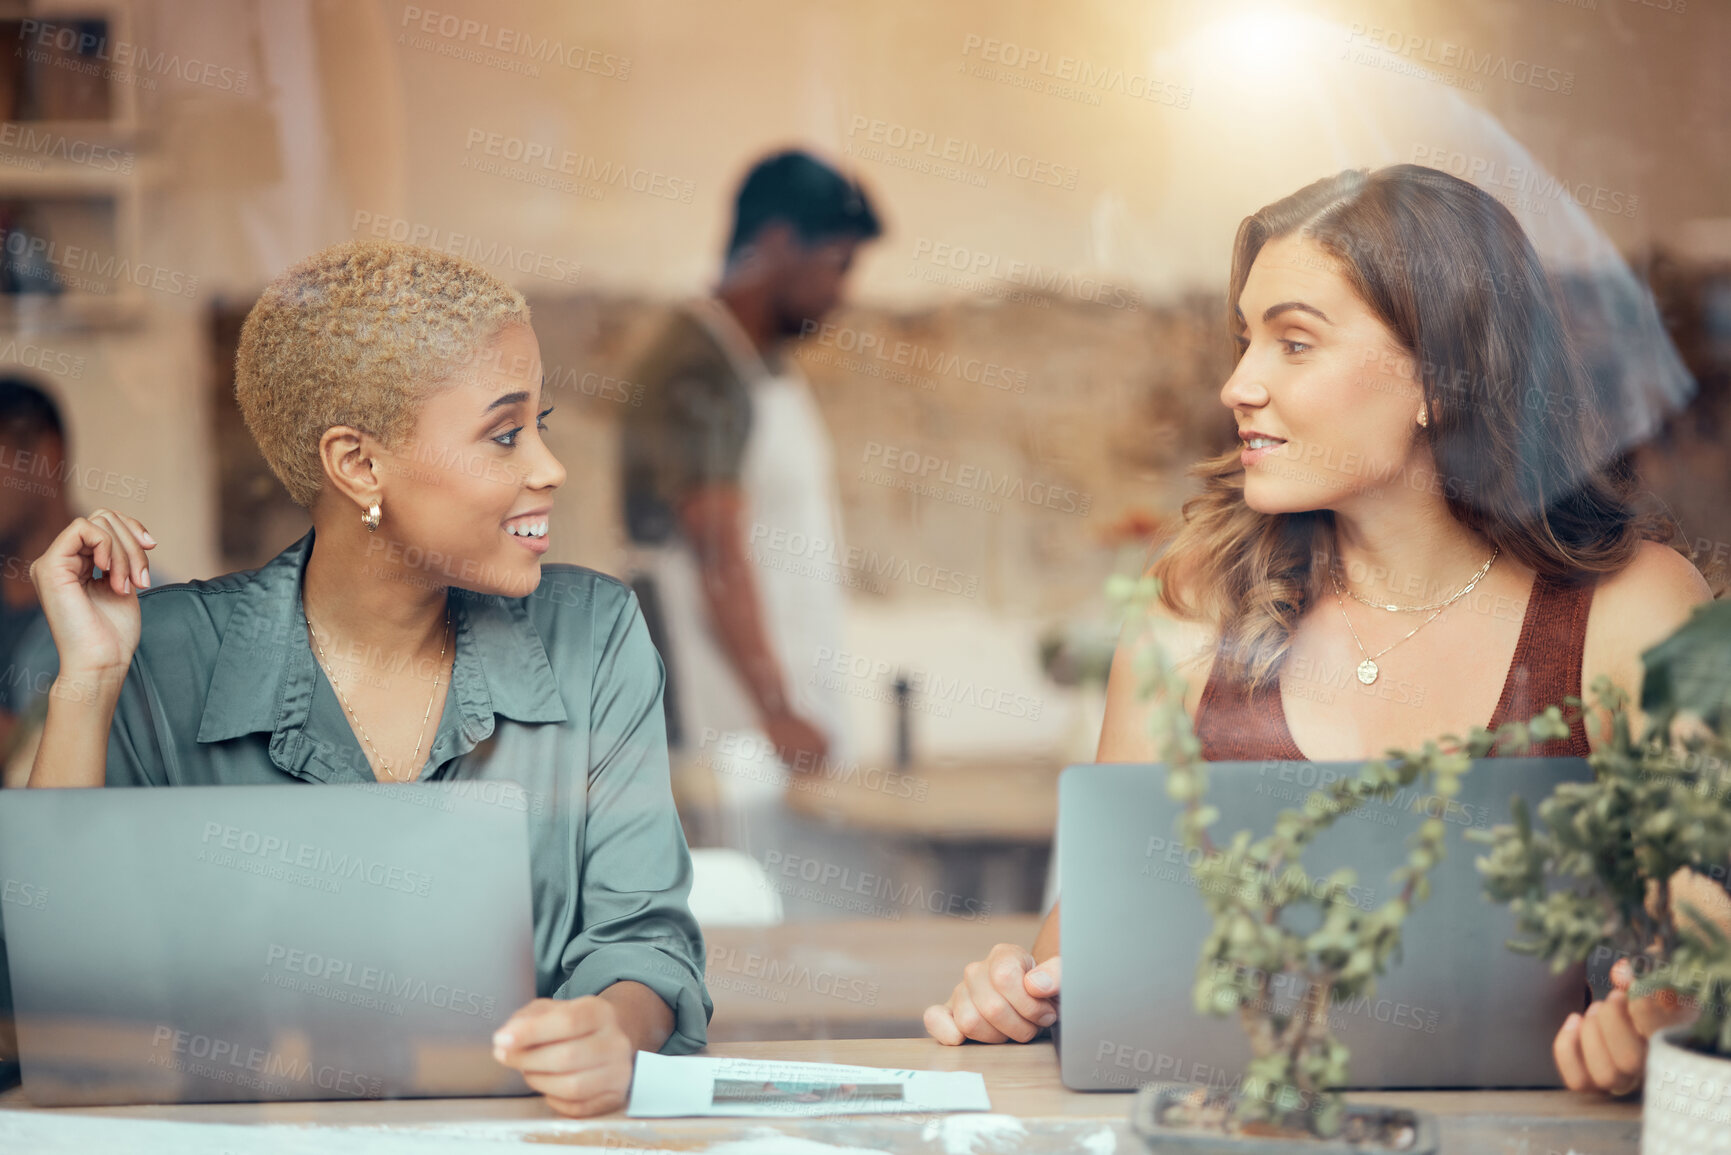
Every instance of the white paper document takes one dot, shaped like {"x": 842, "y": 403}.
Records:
{"x": 665, "y": 1086}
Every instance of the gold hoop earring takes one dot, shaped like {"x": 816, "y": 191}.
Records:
{"x": 371, "y": 517}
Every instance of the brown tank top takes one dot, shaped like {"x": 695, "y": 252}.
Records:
{"x": 1234, "y": 725}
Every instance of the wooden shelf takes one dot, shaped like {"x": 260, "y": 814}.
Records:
{"x": 72, "y": 184}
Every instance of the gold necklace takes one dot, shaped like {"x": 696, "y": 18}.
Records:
{"x": 438, "y": 672}
{"x": 1368, "y": 670}
{"x": 1444, "y": 604}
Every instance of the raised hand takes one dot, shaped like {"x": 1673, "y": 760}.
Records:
{"x": 94, "y": 620}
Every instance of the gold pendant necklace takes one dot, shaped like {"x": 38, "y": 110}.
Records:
{"x": 1368, "y": 670}
{"x": 438, "y": 673}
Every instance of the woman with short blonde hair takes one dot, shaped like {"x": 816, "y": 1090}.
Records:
{"x": 413, "y": 635}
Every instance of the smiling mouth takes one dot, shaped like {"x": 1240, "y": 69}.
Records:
{"x": 528, "y": 529}
{"x": 1262, "y": 442}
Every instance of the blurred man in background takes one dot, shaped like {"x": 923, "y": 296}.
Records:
{"x": 33, "y": 509}
{"x": 730, "y": 496}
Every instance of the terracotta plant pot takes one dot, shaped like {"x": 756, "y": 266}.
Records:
{"x": 1687, "y": 1110}
{"x": 1417, "y": 1127}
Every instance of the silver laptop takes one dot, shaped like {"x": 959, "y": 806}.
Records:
{"x": 243, "y": 943}
{"x": 1457, "y": 1008}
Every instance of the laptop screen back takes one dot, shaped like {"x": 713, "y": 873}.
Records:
{"x": 1457, "y": 1008}
{"x": 266, "y": 942}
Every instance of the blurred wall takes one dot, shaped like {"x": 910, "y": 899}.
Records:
{"x": 1061, "y": 185}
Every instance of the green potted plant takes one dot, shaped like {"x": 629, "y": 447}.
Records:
{"x": 1591, "y": 880}
{"x": 1254, "y": 886}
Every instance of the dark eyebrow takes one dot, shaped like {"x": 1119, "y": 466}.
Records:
{"x": 1274, "y": 311}
{"x": 509, "y": 399}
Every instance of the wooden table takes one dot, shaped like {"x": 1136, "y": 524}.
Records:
{"x": 969, "y": 816}
{"x": 843, "y": 980}
{"x": 1031, "y": 1112}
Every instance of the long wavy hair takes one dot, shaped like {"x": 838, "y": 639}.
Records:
{"x": 1513, "y": 422}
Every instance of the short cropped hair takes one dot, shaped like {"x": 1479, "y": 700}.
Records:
{"x": 355, "y": 335}
{"x": 807, "y": 195}
{"x": 27, "y": 412}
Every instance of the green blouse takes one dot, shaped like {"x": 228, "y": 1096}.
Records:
{"x": 553, "y": 708}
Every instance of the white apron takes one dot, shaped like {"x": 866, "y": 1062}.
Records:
{"x": 792, "y": 533}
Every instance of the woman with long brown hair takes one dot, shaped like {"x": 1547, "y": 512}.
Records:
{"x": 1425, "y": 527}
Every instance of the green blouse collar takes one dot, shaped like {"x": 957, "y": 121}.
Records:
{"x": 500, "y": 666}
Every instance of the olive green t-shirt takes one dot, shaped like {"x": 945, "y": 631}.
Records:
{"x": 690, "y": 431}
{"x": 553, "y": 707}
